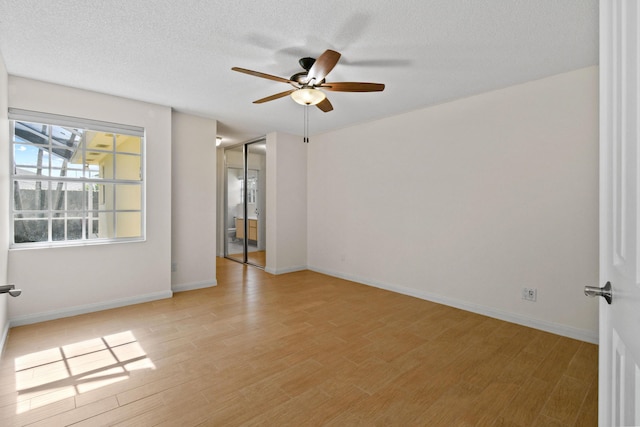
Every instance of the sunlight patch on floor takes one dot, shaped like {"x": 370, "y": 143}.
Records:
{"x": 51, "y": 375}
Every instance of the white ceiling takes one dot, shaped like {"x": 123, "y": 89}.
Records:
{"x": 180, "y": 53}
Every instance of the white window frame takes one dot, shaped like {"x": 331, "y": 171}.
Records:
{"x": 18, "y": 115}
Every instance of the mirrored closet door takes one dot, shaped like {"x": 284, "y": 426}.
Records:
{"x": 245, "y": 191}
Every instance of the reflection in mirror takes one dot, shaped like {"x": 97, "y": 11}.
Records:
{"x": 234, "y": 211}
{"x": 245, "y": 203}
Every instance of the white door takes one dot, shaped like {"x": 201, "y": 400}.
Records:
{"x": 619, "y": 381}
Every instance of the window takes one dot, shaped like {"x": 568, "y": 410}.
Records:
{"x": 75, "y": 180}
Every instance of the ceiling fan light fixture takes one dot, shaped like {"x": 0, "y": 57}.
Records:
{"x": 308, "y": 96}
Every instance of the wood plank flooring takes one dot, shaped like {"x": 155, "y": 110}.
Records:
{"x": 300, "y": 349}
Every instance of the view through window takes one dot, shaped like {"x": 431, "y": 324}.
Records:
{"x": 75, "y": 183}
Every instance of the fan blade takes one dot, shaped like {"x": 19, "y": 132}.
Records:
{"x": 276, "y": 96}
{"x": 325, "y": 105}
{"x": 323, "y": 65}
{"x": 263, "y": 75}
{"x": 353, "y": 87}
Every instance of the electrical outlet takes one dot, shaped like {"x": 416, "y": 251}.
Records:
{"x": 530, "y": 294}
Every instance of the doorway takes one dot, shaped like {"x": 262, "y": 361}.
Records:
{"x": 245, "y": 201}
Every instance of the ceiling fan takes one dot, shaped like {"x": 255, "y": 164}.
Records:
{"x": 307, "y": 84}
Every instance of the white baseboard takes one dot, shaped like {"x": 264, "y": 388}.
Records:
{"x": 89, "y": 308}
{"x": 182, "y": 287}
{"x": 285, "y": 270}
{"x": 554, "y": 328}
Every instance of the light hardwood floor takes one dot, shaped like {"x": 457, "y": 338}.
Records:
{"x": 299, "y": 349}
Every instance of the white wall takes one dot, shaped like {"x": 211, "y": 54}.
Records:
{"x": 468, "y": 202}
{"x": 64, "y": 281}
{"x": 194, "y": 202}
{"x": 4, "y": 200}
{"x": 286, "y": 203}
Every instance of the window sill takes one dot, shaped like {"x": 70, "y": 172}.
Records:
{"x": 81, "y": 243}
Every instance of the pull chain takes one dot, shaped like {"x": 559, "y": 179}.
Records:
{"x": 305, "y": 127}
{"x": 305, "y": 138}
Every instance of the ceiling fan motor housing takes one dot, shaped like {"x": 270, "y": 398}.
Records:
{"x": 300, "y": 77}
{"x": 306, "y": 63}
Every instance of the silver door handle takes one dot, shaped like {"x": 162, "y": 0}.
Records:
{"x": 10, "y": 289}
{"x": 592, "y": 291}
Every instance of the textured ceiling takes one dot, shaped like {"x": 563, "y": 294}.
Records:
{"x": 180, "y": 53}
